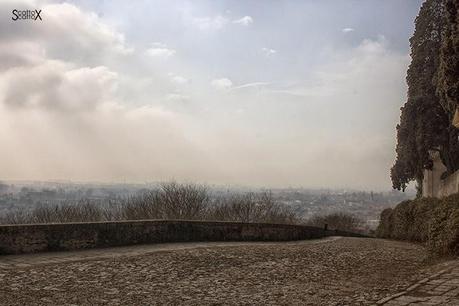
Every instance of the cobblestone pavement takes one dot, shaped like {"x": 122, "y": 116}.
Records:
{"x": 21, "y": 261}
{"x": 441, "y": 288}
{"x": 346, "y": 271}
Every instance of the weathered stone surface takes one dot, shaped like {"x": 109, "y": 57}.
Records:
{"x": 441, "y": 288}
{"x": 433, "y": 185}
{"x": 346, "y": 271}
{"x": 17, "y": 239}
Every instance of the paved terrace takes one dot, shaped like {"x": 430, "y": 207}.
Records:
{"x": 331, "y": 271}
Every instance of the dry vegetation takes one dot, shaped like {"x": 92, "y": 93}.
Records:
{"x": 171, "y": 201}
{"x": 339, "y": 221}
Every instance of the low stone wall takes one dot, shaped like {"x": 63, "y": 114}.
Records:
{"x": 17, "y": 239}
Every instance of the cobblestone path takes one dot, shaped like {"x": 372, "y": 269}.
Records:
{"x": 441, "y": 288}
{"x": 335, "y": 271}
{"x": 29, "y": 260}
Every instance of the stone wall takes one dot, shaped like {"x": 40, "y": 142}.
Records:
{"x": 16, "y": 239}
{"x": 449, "y": 185}
{"x": 433, "y": 185}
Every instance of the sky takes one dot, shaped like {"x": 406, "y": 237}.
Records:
{"x": 247, "y": 93}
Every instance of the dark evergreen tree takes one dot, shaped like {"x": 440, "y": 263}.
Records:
{"x": 425, "y": 122}
{"x": 448, "y": 74}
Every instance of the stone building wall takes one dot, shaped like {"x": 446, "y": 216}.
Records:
{"x": 433, "y": 185}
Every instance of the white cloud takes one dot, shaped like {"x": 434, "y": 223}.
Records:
{"x": 223, "y": 83}
{"x": 57, "y": 86}
{"x": 177, "y": 97}
{"x": 160, "y": 52}
{"x": 347, "y": 30}
{"x": 268, "y": 52}
{"x": 178, "y": 79}
{"x": 210, "y": 23}
{"x": 67, "y": 33}
{"x": 66, "y": 112}
{"x": 20, "y": 53}
{"x": 60, "y": 102}
{"x": 253, "y": 85}
{"x": 245, "y": 21}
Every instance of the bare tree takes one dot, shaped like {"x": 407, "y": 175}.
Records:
{"x": 253, "y": 207}
{"x": 183, "y": 201}
{"x": 170, "y": 201}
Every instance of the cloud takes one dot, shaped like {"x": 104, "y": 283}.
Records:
{"x": 50, "y": 67}
{"x": 62, "y": 115}
{"x": 347, "y": 30}
{"x": 178, "y": 79}
{"x": 75, "y": 104}
{"x": 209, "y": 23}
{"x": 57, "y": 86}
{"x": 254, "y": 84}
{"x": 54, "y": 86}
{"x": 20, "y": 53}
{"x": 221, "y": 84}
{"x": 245, "y": 21}
{"x": 268, "y": 52}
{"x": 161, "y": 52}
{"x": 67, "y": 33}
{"x": 177, "y": 97}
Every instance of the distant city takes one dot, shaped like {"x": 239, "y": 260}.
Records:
{"x": 367, "y": 205}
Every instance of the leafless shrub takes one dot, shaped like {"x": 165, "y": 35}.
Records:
{"x": 140, "y": 207}
{"x": 253, "y": 207}
{"x": 112, "y": 212}
{"x": 170, "y": 201}
{"x": 16, "y": 217}
{"x": 183, "y": 201}
{"x": 83, "y": 211}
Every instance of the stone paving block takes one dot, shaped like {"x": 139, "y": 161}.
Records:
{"x": 441, "y": 288}
{"x": 439, "y": 298}
{"x": 410, "y": 299}
{"x": 452, "y": 302}
{"x": 396, "y": 303}
{"x": 436, "y": 281}
{"x": 453, "y": 292}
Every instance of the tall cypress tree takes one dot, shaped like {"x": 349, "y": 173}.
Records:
{"x": 448, "y": 80}
{"x": 425, "y": 122}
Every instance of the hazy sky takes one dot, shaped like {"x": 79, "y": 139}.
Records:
{"x": 257, "y": 93}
